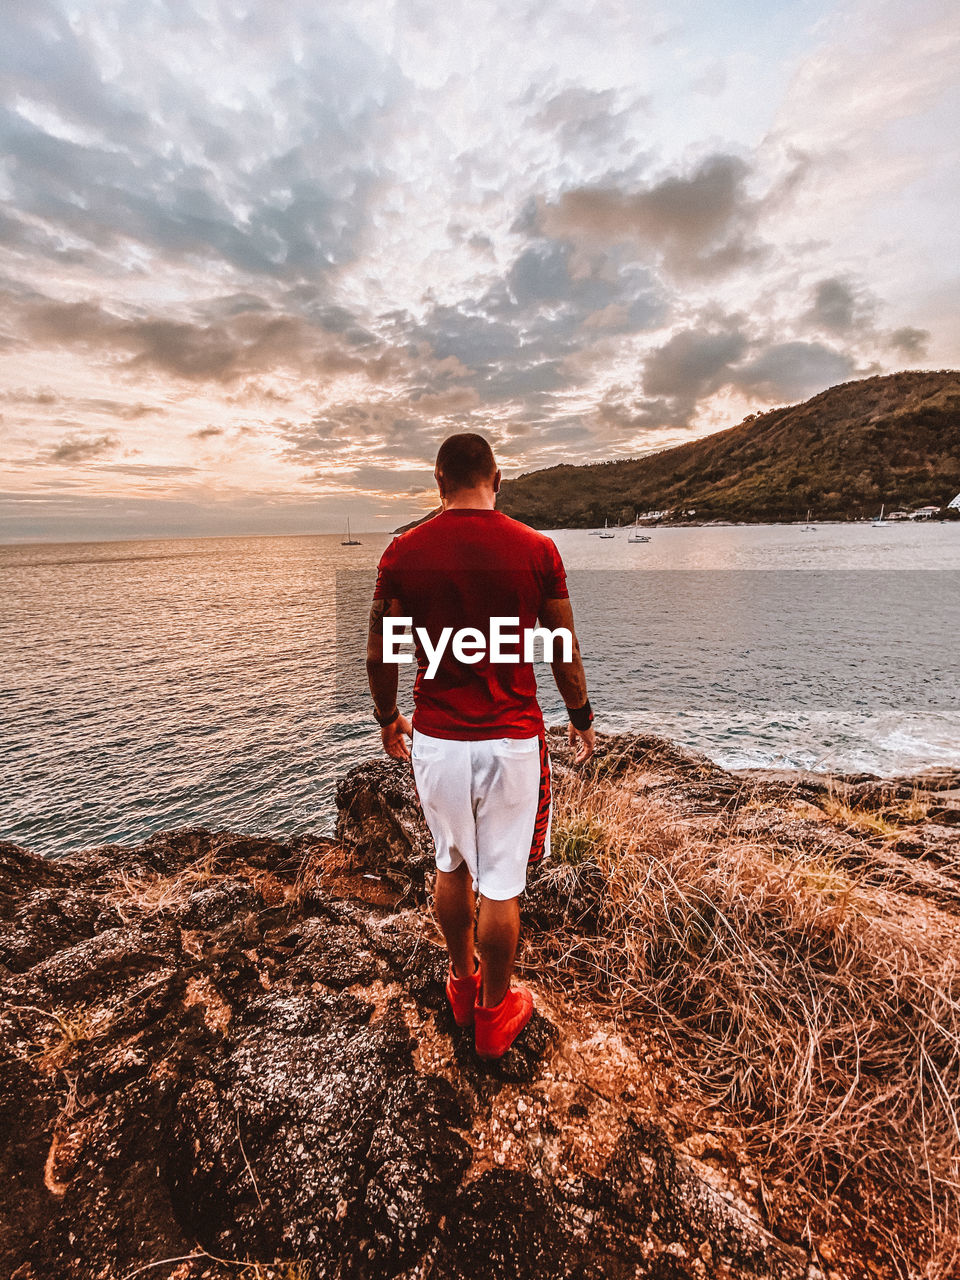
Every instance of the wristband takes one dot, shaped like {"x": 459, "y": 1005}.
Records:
{"x": 384, "y": 721}
{"x": 581, "y": 717}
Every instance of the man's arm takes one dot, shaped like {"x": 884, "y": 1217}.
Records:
{"x": 570, "y": 676}
{"x": 383, "y": 679}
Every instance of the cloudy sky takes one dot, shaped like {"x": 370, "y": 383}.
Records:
{"x": 258, "y": 260}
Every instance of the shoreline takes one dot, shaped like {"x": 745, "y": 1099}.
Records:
{"x": 19, "y": 544}
{"x": 933, "y": 778}
{"x": 226, "y": 1046}
{"x": 761, "y": 524}
{"x": 798, "y": 522}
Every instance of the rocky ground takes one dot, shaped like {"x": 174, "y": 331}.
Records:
{"x": 228, "y": 1056}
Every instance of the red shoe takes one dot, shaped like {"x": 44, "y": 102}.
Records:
{"x": 463, "y": 994}
{"x": 497, "y": 1026}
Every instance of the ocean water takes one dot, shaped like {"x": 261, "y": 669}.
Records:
{"x": 147, "y": 685}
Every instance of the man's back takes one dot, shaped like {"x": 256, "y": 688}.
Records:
{"x": 478, "y": 752}
{"x": 459, "y": 570}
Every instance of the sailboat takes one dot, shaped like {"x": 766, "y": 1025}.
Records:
{"x": 635, "y": 535}
{"x": 879, "y": 520}
{"x": 808, "y": 527}
{"x": 606, "y": 531}
{"x": 348, "y": 541}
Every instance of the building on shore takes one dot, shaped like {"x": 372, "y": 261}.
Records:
{"x": 925, "y": 513}
{"x": 955, "y": 504}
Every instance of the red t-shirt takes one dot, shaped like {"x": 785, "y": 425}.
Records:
{"x": 460, "y": 569}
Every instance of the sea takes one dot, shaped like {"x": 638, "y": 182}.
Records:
{"x": 220, "y": 681}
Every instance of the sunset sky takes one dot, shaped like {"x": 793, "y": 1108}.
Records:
{"x": 257, "y": 259}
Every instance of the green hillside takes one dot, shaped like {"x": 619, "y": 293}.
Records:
{"x": 893, "y": 439}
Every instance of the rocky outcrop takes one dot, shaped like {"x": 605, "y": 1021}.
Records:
{"x": 380, "y": 828}
{"x": 211, "y": 1057}
{"x": 220, "y": 1050}
{"x": 902, "y": 832}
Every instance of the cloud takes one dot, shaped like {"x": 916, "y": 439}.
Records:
{"x": 540, "y": 274}
{"x": 328, "y": 240}
{"x": 910, "y": 342}
{"x": 838, "y": 306}
{"x": 367, "y": 434}
{"x": 623, "y": 415}
{"x": 696, "y": 363}
{"x": 272, "y": 181}
{"x": 147, "y": 469}
{"x": 844, "y": 309}
{"x": 833, "y": 305}
{"x": 700, "y": 222}
{"x": 220, "y": 350}
{"x": 373, "y": 478}
{"x": 792, "y": 371}
{"x": 82, "y": 406}
{"x": 41, "y": 397}
{"x": 118, "y": 409}
{"x": 533, "y": 332}
{"x": 586, "y": 122}
{"x": 711, "y": 81}
{"x": 692, "y": 363}
{"x": 43, "y": 59}
{"x": 79, "y": 449}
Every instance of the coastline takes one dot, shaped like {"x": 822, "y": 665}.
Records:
{"x": 261, "y": 1023}
{"x": 949, "y": 517}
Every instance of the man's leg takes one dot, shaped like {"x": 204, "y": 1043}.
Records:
{"x": 498, "y": 932}
{"x": 455, "y": 905}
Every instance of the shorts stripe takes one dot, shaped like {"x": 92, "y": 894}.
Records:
{"x": 542, "y": 823}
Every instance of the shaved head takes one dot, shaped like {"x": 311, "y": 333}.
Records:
{"x": 465, "y": 461}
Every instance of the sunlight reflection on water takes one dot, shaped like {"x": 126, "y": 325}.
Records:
{"x": 152, "y": 685}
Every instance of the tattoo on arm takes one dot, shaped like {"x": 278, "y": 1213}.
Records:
{"x": 378, "y": 611}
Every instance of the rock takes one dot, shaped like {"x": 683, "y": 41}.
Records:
{"x": 380, "y": 823}
{"x": 563, "y": 897}
{"x": 618, "y": 753}
{"x": 202, "y": 1073}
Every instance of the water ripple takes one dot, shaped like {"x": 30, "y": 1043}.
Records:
{"x": 154, "y": 685}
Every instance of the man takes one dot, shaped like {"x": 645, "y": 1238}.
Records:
{"x": 478, "y": 751}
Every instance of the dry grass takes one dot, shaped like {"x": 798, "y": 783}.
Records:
{"x": 137, "y": 896}
{"x": 70, "y": 1031}
{"x": 246, "y": 1269}
{"x": 821, "y": 1012}
{"x": 296, "y": 1270}
{"x": 859, "y": 820}
{"x": 317, "y": 862}
{"x": 916, "y": 809}
{"x": 862, "y": 819}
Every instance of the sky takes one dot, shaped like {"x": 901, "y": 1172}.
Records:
{"x": 257, "y": 261}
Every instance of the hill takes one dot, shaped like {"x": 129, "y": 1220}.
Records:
{"x": 892, "y": 439}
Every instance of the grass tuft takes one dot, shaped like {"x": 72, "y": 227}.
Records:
{"x": 822, "y": 1011}
{"x": 858, "y": 820}
{"x": 575, "y": 839}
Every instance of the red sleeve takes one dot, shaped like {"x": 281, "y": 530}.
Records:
{"x": 386, "y": 588}
{"x": 555, "y": 584}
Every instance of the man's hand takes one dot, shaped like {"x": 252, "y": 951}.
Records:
{"x": 588, "y": 742}
{"x": 394, "y": 738}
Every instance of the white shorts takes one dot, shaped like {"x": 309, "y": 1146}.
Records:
{"x": 488, "y": 804}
